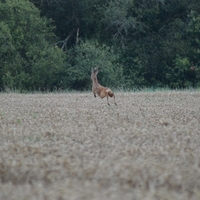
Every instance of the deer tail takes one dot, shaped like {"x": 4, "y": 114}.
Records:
{"x": 110, "y": 93}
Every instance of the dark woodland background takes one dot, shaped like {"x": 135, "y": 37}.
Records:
{"x": 51, "y": 45}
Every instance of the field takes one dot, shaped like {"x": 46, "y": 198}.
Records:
{"x": 74, "y": 146}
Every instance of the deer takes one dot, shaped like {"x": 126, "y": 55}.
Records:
{"x": 100, "y": 90}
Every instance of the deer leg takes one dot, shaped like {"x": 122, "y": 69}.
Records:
{"x": 93, "y": 90}
{"x": 107, "y": 100}
{"x": 114, "y": 100}
{"x": 94, "y": 94}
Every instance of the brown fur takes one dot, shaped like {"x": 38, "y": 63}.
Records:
{"x": 111, "y": 94}
{"x": 100, "y": 90}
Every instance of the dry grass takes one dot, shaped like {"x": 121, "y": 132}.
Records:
{"x": 73, "y": 146}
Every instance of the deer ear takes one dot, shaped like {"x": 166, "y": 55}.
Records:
{"x": 96, "y": 71}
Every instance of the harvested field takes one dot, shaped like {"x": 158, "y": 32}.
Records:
{"x": 73, "y": 146}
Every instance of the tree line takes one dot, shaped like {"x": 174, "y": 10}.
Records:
{"x": 53, "y": 44}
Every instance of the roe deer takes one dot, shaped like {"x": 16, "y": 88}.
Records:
{"x": 98, "y": 89}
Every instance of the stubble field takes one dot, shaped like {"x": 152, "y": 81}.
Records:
{"x": 73, "y": 146}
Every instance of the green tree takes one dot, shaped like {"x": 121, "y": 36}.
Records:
{"x": 73, "y": 19}
{"x": 152, "y": 39}
{"x": 160, "y": 39}
{"x": 193, "y": 36}
{"x": 28, "y": 59}
{"x": 182, "y": 75}
{"x": 88, "y": 54}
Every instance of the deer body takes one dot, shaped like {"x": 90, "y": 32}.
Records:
{"x": 100, "y": 90}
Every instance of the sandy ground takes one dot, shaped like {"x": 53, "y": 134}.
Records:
{"x": 74, "y": 146}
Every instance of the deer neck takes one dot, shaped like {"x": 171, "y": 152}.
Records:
{"x": 95, "y": 81}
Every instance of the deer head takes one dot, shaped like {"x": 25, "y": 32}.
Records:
{"x": 94, "y": 72}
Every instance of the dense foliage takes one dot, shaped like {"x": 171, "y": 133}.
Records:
{"x": 28, "y": 59}
{"x": 47, "y": 44}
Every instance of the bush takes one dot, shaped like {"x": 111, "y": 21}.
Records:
{"x": 181, "y": 75}
{"x": 28, "y": 59}
{"x": 89, "y": 54}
